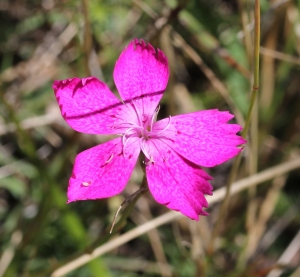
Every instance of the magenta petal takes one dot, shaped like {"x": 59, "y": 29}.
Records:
{"x": 141, "y": 74}
{"x": 87, "y": 105}
{"x": 102, "y": 171}
{"x": 176, "y": 182}
{"x": 203, "y": 137}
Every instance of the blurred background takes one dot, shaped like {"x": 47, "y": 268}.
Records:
{"x": 209, "y": 45}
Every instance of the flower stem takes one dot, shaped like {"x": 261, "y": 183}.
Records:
{"x": 234, "y": 170}
{"x": 115, "y": 228}
{"x": 132, "y": 199}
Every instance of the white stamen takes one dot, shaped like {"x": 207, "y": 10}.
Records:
{"x": 155, "y": 133}
{"x": 125, "y": 134}
{"x": 86, "y": 184}
{"x": 124, "y": 146}
{"x": 137, "y": 113}
{"x": 129, "y": 123}
{"x": 124, "y": 139}
{"x": 143, "y": 148}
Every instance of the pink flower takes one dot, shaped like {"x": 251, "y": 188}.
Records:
{"x": 174, "y": 148}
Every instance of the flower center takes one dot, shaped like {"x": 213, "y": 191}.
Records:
{"x": 142, "y": 128}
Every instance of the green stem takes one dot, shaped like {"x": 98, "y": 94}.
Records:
{"x": 132, "y": 199}
{"x": 24, "y": 141}
{"x": 109, "y": 232}
{"x": 87, "y": 41}
{"x": 235, "y": 167}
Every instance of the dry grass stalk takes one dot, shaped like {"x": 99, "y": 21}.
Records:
{"x": 276, "y": 230}
{"x": 287, "y": 256}
{"x": 265, "y": 213}
{"x": 183, "y": 99}
{"x": 154, "y": 237}
{"x": 215, "y": 82}
{"x": 280, "y": 56}
{"x": 9, "y": 252}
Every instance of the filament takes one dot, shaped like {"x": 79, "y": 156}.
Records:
{"x": 159, "y": 132}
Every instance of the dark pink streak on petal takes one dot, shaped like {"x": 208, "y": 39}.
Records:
{"x": 176, "y": 182}
{"x": 102, "y": 171}
{"x": 141, "y": 74}
{"x": 87, "y": 105}
{"x": 203, "y": 137}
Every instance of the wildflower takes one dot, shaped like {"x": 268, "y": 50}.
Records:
{"x": 174, "y": 148}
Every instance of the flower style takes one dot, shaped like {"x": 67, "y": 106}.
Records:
{"x": 174, "y": 148}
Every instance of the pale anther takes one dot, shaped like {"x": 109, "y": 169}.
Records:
{"x": 154, "y": 116}
{"x": 110, "y": 158}
{"x": 150, "y": 161}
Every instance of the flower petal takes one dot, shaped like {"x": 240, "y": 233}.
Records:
{"x": 87, "y": 105}
{"x": 102, "y": 171}
{"x": 203, "y": 137}
{"x": 141, "y": 75}
{"x": 176, "y": 182}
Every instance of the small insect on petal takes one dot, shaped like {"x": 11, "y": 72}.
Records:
{"x": 86, "y": 184}
{"x": 110, "y": 158}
